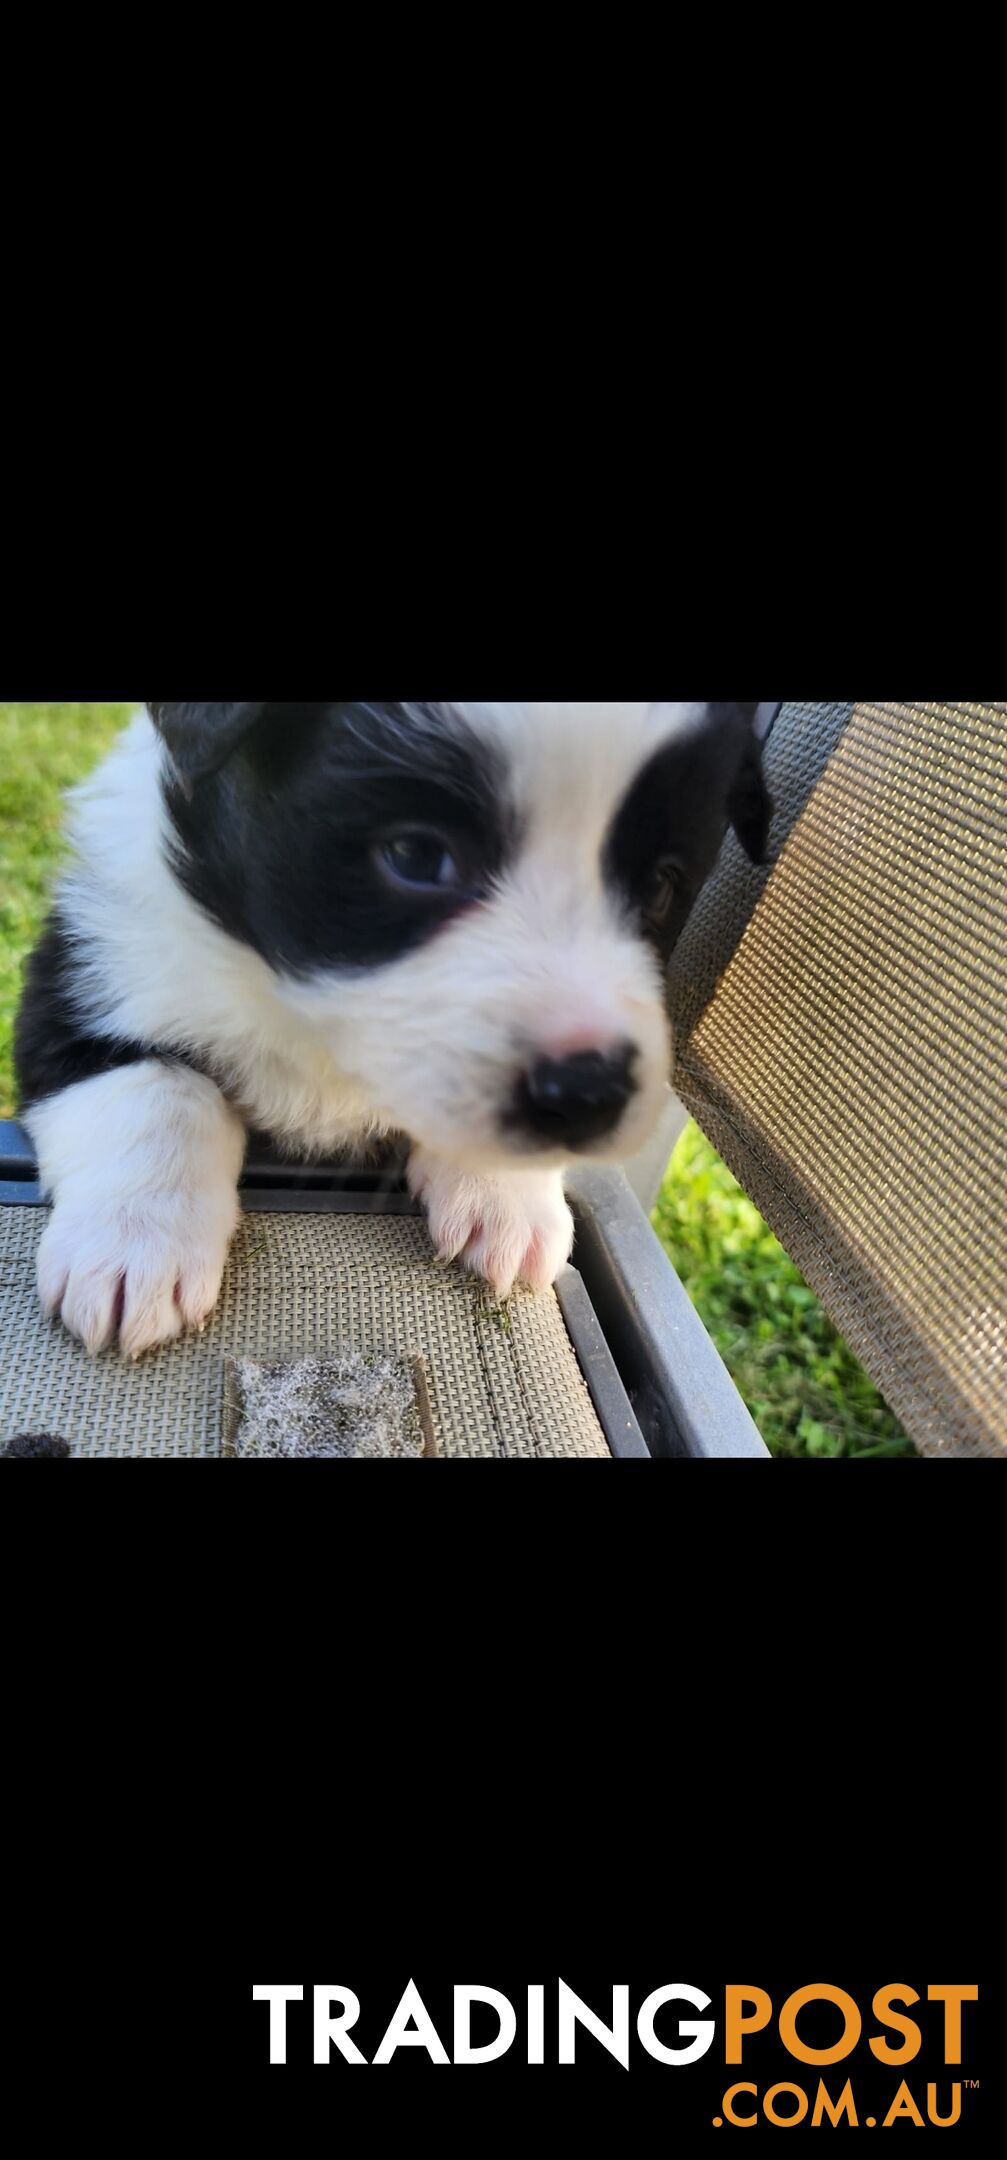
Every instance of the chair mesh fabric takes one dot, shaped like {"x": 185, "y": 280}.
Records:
{"x": 841, "y": 1029}
{"x": 502, "y": 1380}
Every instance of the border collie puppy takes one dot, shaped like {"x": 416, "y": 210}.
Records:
{"x": 332, "y": 923}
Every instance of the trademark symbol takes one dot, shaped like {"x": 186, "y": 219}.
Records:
{"x": 972, "y": 2083}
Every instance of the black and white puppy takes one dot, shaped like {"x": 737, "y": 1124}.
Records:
{"x": 332, "y": 922}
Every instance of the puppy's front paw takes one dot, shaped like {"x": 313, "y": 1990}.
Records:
{"x": 140, "y": 1272}
{"x": 512, "y": 1228}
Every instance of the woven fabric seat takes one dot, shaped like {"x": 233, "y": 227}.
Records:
{"x": 503, "y": 1381}
{"x": 842, "y": 1029}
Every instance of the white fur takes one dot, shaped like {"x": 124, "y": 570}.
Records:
{"x": 504, "y": 1228}
{"x": 545, "y": 965}
{"x": 153, "y": 968}
{"x": 427, "y": 1044}
{"x": 570, "y": 765}
{"x": 143, "y": 1162}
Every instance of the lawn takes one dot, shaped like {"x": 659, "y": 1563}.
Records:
{"x": 803, "y": 1385}
{"x": 805, "y": 1389}
{"x": 43, "y": 749}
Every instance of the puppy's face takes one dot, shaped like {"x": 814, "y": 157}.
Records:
{"x": 475, "y": 904}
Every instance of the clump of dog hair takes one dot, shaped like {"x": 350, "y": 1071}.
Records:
{"x": 352, "y": 1404}
{"x": 36, "y": 1444}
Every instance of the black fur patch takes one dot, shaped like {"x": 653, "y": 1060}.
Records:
{"x": 278, "y": 845}
{"x": 201, "y": 737}
{"x": 53, "y": 1046}
{"x": 667, "y": 834}
{"x": 29, "y": 1446}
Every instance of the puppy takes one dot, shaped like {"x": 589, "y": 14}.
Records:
{"x": 331, "y": 923}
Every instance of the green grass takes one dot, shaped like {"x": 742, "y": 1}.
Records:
{"x": 43, "y": 749}
{"x": 803, "y": 1386}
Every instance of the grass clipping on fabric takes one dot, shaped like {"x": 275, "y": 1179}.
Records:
{"x": 372, "y": 1406}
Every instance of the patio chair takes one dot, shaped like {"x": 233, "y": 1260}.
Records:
{"x": 842, "y": 1028}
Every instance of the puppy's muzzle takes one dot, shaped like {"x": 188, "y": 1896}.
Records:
{"x": 570, "y": 1101}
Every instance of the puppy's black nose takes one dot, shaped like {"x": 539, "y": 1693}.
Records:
{"x": 572, "y": 1100}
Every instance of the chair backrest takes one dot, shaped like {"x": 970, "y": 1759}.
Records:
{"x": 842, "y": 1040}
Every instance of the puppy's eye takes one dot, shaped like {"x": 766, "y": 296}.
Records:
{"x": 420, "y": 860}
{"x": 666, "y": 888}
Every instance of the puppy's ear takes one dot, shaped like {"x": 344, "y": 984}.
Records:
{"x": 750, "y": 807}
{"x": 201, "y": 737}
{"x": 749, "y": 804}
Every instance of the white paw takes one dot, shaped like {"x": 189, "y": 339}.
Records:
{"x": 135, "y": 1272}
{"x": 515, "y": 1227}
{"x": 143, "y": 1166}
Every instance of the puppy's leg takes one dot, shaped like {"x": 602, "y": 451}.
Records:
{"x": 510, "y": 1227}
{"x": 142, "y": 1165}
